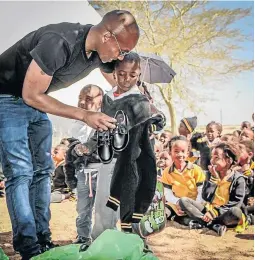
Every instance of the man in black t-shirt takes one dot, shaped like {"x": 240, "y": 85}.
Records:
{"x": 51, "y": 58}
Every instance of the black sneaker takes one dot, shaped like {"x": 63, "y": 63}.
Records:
{"x": 104, "y": 147}
{"x": 47, "y": 246}
{"x": 85, "y": 245}
{"x": 82, "y": 240}
{"x": 29, "y": 256}
{"x": 250, "y": 219}
{"x": 219, "y": 229}
{"x": 193, "y": 224}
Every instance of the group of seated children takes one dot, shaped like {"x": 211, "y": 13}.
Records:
{"x": 208, "y": 177}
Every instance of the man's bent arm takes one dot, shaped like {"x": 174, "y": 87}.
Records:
{"x": 35, "y": 85}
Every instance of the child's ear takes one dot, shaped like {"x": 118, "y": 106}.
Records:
{"x": 251, "y": 154}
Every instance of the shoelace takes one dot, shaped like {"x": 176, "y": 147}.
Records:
{"x": 104, "y": 139}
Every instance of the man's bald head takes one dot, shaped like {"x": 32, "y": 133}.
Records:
{"x": 121, "y": 22}
{"x": 119, "y": 33}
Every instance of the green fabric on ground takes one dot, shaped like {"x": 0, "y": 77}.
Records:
{"x": 3, "y": 256}
{"x": 110, "y": 245}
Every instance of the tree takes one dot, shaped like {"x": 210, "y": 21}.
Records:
{"x": 197, "y": 40}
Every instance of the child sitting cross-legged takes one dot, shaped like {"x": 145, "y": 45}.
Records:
{"x": 181, "y": 179}
{"x": 223, "y": 192}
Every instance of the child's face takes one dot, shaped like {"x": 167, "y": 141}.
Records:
{"x": 246, "y": 134}
{"x": 164, "y": 161}
{"x": 165, "y": 138}
{"x": 245, "y": 156}
{"x": 127, "y": 75}
{"x": 245, "y": 125}
{"x": 90, "y": 100}
{"x": 183, "y": 130}
{"x": 179, "y": 151}
{"x": 158, "y": 148}
{"x": 58, "y": 154}
{"x": 218, "y": 159}
{"x": 212, "y": 132}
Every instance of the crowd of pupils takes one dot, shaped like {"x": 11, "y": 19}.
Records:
{"x": 207, "y": 177}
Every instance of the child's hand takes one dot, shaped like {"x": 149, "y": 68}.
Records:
{"x": 213, "y": 171}
{"x": 207, "y": 217}
{"x": 81, "y": 149}
{"x": 250, "y": 201}
{"x": 180, "y": 212}
{"x": 1, "y": 184}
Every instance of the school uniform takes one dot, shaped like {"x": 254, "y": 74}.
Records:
{"x": 187, "y": 183}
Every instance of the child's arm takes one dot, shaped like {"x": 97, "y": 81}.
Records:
{"x": 236, "y": 196}
{"x": 169, "y": 195}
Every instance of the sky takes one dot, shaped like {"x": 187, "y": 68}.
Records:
{"x": 234, "y": 101}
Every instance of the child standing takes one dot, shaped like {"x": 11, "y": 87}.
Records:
{"x": 224, "y": 192}
{"x": 125, "y": 96}
{"x": 182, "y": 179}
{"x": 81, "y": 171}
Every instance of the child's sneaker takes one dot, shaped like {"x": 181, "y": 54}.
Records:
{"x": 193, "y": 224}
{"x": 242, "y": 225}
{"x": 219, "y": 229}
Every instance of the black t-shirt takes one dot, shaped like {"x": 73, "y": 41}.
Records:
{"x": 58, "y": 49}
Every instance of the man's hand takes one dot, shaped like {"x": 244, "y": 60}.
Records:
{"x": 207, "y": 217}
{"x": 99, "y": 121}
{"x": 36, "y": 83}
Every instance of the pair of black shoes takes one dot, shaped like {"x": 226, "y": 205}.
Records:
{"x": 46, "y": 246}
{"x": 115, "y": 140}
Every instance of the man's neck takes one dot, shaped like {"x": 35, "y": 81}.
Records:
{"x": 90, "y": 43}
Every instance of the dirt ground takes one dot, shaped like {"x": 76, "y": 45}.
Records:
{"x": 174, "y": 243}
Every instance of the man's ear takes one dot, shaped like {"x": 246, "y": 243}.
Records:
{"x": 106, "y": 36}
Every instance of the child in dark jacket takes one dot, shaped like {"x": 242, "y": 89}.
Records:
{"x": 60, "y": 190}
{"x": 204, "y": 143}
{"x": 246, "y": 165}
{"x": 223, "y": 193}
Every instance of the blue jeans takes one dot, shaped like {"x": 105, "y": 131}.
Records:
{"x": 25, "y": 154}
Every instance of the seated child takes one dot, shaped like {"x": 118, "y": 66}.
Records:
{"x": 247, "y": 168}
{"x": 205, "y": 143}
{"x": 182, "y": 178}
{"x": 165, "y": 138}
{"x": 187, "y": 128}
{"x": 60, "y": 190}
{"x": 247, "y": 134}
{"x": 164, "y": 160}
{"x": 224, "y": 192}
{"x": 245, "y": 125}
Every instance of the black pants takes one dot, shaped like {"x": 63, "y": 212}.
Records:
{"x": 197, "y": 210}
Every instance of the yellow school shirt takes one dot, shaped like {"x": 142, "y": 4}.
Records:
{"x": 184, "y": 184}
